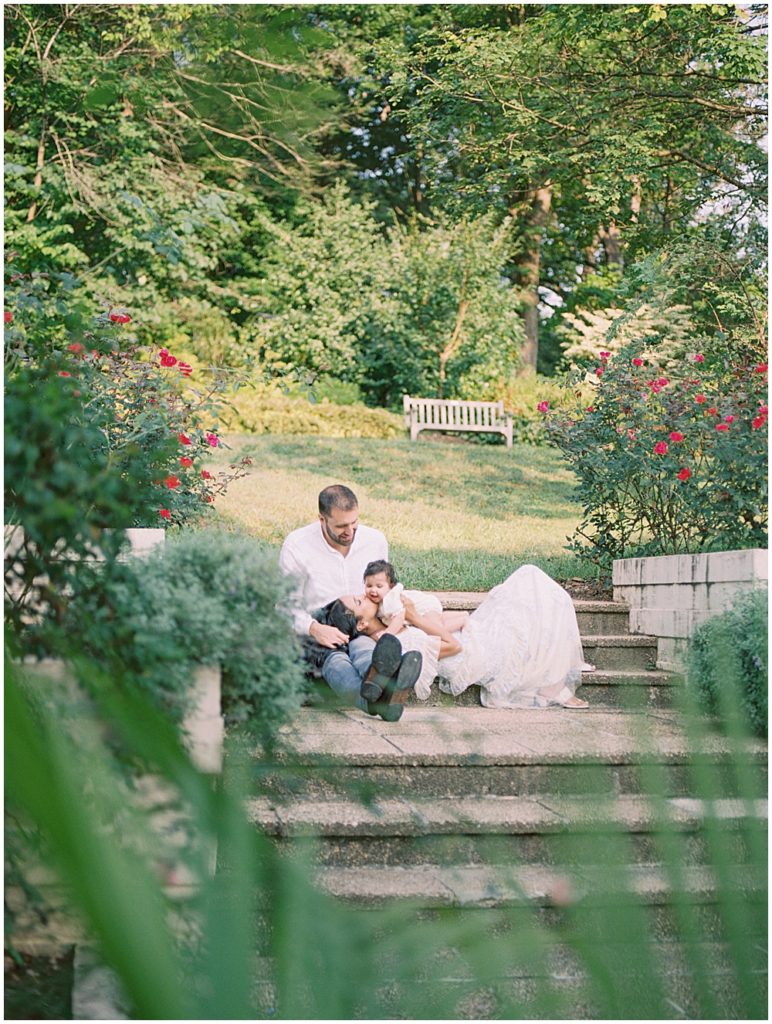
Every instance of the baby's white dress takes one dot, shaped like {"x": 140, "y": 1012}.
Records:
{"x": 521, "y": 646}
{"x": 391, "y": 604}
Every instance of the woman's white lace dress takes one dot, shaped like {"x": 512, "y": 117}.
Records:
{"x": 521, "y": 645}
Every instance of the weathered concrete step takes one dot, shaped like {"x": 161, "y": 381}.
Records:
{"x": 511, "y": 830}
{"x": 609, "y": 617}
{"x": 494, "y": 886}
{"x": 621, "y": 688}
{"x": 620, "y": 652}
{"x": 473, "y": 751}
{"x": 555, "y": 984}
{"x": 498, "y": 814}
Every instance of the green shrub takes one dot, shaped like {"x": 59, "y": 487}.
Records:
{"x": 205, "y": 598}
{"x": 263, "y": 409}
{"x": 727, "y": 662}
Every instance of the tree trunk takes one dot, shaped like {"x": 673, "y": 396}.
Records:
{"x": 531, "y": 268}
{"x": 38, "y": 179}
{"x": 612, "y": 244}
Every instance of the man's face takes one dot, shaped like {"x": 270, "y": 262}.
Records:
{"x": 340, "y": 526}
{"x": 377, "y": 586}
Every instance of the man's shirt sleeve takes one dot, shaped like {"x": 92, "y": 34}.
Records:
{"x": 290, "y": 566}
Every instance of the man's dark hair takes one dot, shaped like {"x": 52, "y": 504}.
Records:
{"x": 336, "y": 496}
{"x": 380, "y": 565}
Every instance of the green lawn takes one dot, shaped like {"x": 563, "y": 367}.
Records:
{"x": 458, "y": 516}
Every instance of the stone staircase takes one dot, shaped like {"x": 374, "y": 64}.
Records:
{"x": 538, "y": 811}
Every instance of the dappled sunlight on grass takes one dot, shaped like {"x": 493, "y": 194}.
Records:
{"x": 484, "y": 510}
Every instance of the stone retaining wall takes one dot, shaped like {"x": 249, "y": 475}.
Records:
{"x": 670, "y": 595}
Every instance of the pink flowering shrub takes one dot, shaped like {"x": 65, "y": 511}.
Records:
{"x": 668, "y": 460}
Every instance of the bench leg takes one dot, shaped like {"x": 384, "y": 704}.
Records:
{"x": 414, "y": 431}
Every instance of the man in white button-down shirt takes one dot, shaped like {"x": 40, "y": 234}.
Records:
{"x": 328, "y": 559}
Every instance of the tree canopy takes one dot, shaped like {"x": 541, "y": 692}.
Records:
{"x": 390, "y": 193}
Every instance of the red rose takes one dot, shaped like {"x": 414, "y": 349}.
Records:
{"x": 185, "y": 369}
{"x": 599, "y": 371}
{"x": 684, "y": 474}
{"x": 164, "y": 513}
{"x": 700, "y": 399}
{"x": 676, "y": 435}
{"x": 605, "y": 356}
{"x": 759, "y": 422}
{"x": 637, "y": 361}
{"x": 660, "y": 448}
{"x": 76, "y": 347}
{"x": 712, "y": 411}
{"x": 184, "y": 439}
{"x": 209, "y": 497}
{"x": 120, "y": 318}
{"x": 590, "y": 408}
{"x": 722, "y": 426}
{"x": 213, "y": 440}
{"x": 729, "y": 419}
{"x": 761, "y": 368}
{"x": 205, "y": 474}
{"x": 699, "y": 358}
{"x": 663, "y": 382}
{"x": 172, "y": 482}
{"x": 7, "y": 316}
{"x": 63, "y": 373}
{"x": 186, "y": 462}
{"x": 543, "y": 406}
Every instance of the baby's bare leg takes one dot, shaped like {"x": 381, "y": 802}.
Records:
{"x": 453, "y": 621}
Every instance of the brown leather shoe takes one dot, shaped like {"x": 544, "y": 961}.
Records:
{"x": 399, "y": 688}
{"x": 387, "y": 658}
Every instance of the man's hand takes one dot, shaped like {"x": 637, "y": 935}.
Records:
{"x": 327, "y": 636}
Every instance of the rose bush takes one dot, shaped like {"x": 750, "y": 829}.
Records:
{"x": 101, "y": 434}
{"x": 669, "y": 458}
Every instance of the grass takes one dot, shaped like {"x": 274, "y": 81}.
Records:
{"x": 458, "y": 515}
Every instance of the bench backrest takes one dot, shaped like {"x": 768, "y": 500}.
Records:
{"x": 453, "y": 412}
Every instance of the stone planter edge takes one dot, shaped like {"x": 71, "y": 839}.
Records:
{"x": 670, "y": 595}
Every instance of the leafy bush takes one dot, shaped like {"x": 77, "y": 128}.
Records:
{"x": 205, "y": 598}
{"x": 670, "y": 456}
{"x": 522, "y": 396}
{"x": 728, "y": 661}
{"x": 263, "y": 409}
{"x": 425, "y": 310}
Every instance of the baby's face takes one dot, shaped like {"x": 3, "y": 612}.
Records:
{"x": 377, "y": 586}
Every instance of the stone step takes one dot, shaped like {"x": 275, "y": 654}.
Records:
{"x": 621, "y": 688}
{"x": 606, "y": 617}
{"x": 509, "y": 830}
{"x": 556, "y": 984}
{"x": 468, "y": 751}
{"x": 431, "y": 885}
{"x": 620, "y": 652}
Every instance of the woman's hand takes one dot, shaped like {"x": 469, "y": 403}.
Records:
{"x": 327, "y": 636}
{"x": 410, "y": 613}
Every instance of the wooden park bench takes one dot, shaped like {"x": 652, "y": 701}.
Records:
{"x": 454, "y": 414}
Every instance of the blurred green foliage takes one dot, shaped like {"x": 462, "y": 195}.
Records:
{"x": 728, "y": 661}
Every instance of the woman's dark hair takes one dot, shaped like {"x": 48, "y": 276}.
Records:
{"x": 381, "y": 565}
{"x": 342, "y": 618}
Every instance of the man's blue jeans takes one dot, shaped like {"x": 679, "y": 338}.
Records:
{"x": 344, "y": 672}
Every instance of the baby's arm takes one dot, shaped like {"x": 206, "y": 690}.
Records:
{"x": 432, "y": 624}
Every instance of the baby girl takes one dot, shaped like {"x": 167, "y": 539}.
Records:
{"x": 397, "y": 606}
